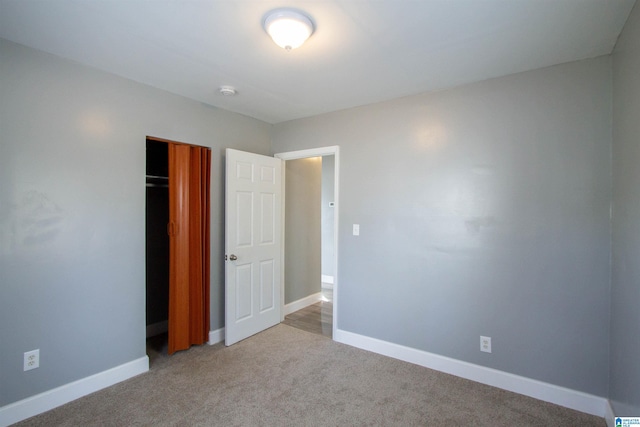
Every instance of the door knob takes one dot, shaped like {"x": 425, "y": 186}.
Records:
{"x": 232, "y": 257}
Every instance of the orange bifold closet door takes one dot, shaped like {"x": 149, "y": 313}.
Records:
{"x": 188, "y": 228}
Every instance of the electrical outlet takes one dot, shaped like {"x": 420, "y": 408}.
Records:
{"x": 32, "y": 360}
{"x": 485, "y": 344}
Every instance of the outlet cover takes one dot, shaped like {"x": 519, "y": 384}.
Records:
{"x": 32, "y": 360}
{"x": 485, "y": 344}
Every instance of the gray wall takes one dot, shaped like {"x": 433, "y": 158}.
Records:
{"x": 328, "y": 217}
{"x": 485, "y": 205}
{"x": 625, "y": 286}
{"x": 72, "y": 212}
{"x": 483, "y": 210}
{"x": 302, "y": 228}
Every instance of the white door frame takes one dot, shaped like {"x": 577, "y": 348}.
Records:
{"x": 333, "y": 150}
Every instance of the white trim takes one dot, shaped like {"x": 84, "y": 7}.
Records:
{"x": 609, "y": 416}
{"x": 283, "y": 181}
{"x": 333, "y": 150}
{"x": 216, "y": 336}
{"x": 292, "y": 307}
{"x": 50, "y": 399}
{"x": 157, "y": 328}
{"x": 326, "y": 279}
{"x": 311, "y": 152}
{"x": 562, "y": 396}
{"x": 326, "y": 286}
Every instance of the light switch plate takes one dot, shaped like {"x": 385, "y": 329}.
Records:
{"x": 356, "y": 229}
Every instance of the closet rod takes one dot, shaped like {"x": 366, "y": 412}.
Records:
{"x": 157, "y": 177}
{"x": 157, "y": 185}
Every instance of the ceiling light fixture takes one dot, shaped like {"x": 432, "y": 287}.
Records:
{"x": 288, "y": 28}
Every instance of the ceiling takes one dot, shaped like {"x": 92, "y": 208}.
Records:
{"x": 361, "y": 52}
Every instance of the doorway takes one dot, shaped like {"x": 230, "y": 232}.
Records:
{"x": 177, "y": 245}
{"x": 325, "y": 273}
{"x": 157, "y": 241}
{"x": 254, "y": 235}
{"x": 308, "y": 298}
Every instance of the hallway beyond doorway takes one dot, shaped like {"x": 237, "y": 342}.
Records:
{"x": 316, "y": 318}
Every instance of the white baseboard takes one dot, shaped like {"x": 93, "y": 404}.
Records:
{"x": 157, "y": 328}
{"x": 302, "y": 303}
{"x": 327, "y": 279}
{"x": 568, "y": 398}
{"x": 48, "y": 400}
{"x": 609, "y": 416}
{"x": 216, "y": 336}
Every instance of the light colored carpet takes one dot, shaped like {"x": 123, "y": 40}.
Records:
{"x": 287, "y": 377}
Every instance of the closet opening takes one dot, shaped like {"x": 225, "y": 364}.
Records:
{"x": 177, "y": 245}
{"x": 157, "y": 246}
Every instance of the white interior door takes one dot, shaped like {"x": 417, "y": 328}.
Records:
{"x": 253, "y": 244}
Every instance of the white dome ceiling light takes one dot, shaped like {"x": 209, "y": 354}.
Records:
{"x": 288, "y": 28}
